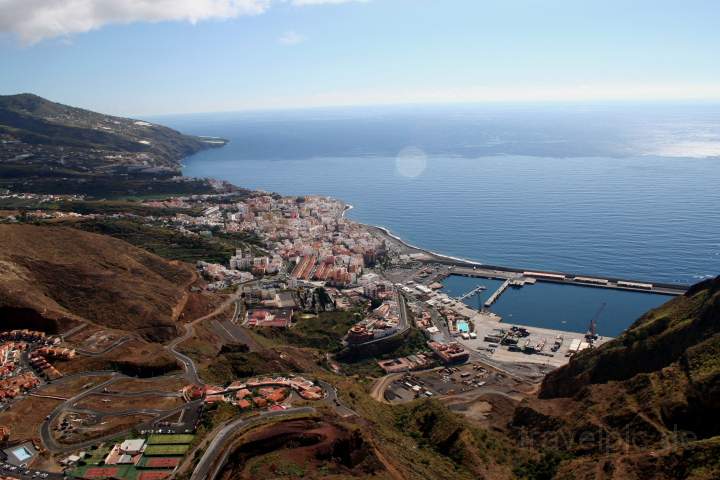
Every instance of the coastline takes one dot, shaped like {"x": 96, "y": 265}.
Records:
{"x": 413, "y": 249}
{"x": 428, "y": 256}
{"x": 385, "y": 232}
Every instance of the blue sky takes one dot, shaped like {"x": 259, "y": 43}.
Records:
{"x": 223, "y": 55}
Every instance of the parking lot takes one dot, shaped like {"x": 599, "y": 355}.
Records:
{"x": 14, "y": 471}
{"x": 452, "y": 380}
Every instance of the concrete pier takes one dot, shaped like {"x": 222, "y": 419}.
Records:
{"x": 500, "y": 273}
{"x": 497, "y": 293}
{"x": 472, "y": 292}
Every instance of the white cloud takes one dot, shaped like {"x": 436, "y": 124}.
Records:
{"x": 291, "y": 38}
{"x": 300, "y": 3}
{"x": 35, "y": 20}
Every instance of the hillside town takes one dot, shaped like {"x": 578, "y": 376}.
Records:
{"x": 306, "y": 237}
{"x": 293, "y": 260}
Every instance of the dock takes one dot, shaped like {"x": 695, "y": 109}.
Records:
{"x": 515, "y": 281}
{"x": 503, "y": 273}
{"x": 472, "y": 292}
{"x": 497, "y": 293}
{"x": 535, "y": 348}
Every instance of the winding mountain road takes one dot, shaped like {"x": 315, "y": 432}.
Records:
{"x": 69, "y": 405}
{"x": 189, "y": 330}
{"x": 219, "y": 449}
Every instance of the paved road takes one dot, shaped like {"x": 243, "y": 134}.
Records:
{"x": 45, "y": 433}
{"x": 69, "y": 406}
{"x": 217, "y": 452}
{"x": 331, "y": 398}
{"x": 211, "y": 462}
{"x": 73, "y": 330}
{"x": 187, "y": 362}
{"x": 377, "y": 392}
{"x": 403, "y": 312}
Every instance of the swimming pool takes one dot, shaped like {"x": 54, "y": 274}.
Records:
{"x": 463, "y": 326}
{"x": 22, "y": 453}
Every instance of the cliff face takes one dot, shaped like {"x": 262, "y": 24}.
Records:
{"x": 639, "y": 406}
{"x": 53, "y": 275}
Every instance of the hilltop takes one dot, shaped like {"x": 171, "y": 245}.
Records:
{"x": 53, "y": 276}
{"x": 638, "y": 406}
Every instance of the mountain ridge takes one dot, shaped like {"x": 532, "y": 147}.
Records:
{"x": 76, "y": 138}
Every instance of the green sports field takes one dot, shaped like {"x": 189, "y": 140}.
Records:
{"x": 166, "y": 449}
{"x": 171, "y": 439}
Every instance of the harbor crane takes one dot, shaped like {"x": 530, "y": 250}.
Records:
{"x": 591, "y": 334}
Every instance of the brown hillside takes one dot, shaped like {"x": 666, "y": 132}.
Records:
{"x": 52, "y": 276}
{"x": 641, "y": 405}
{"x": 659, "y": 338}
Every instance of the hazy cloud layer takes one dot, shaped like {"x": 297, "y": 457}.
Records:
{"x": 291, "y": 38}
{"x": 34, "y": 20}
{"x": 324, "y": 2}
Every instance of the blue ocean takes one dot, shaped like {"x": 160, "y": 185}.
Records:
{"x": 623, "y": 190}
{"x": 627, "y": 190}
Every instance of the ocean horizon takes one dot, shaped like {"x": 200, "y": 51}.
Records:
{"x": 615, "y": 190}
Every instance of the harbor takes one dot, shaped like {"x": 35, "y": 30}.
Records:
{"x": 483, "y": 307}
{"x": 489, "y": 336}
{"x": 555, "y": 305}
{"x": 544, "y": 299}
{"x": 448, "y": 265}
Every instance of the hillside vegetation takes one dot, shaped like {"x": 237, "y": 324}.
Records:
{"x": 639, "y": 406}
{"x": 36, "y": 121}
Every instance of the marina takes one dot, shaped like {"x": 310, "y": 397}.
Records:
{"x": 472, "y": 292}
{"x": 558, "y": 306}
